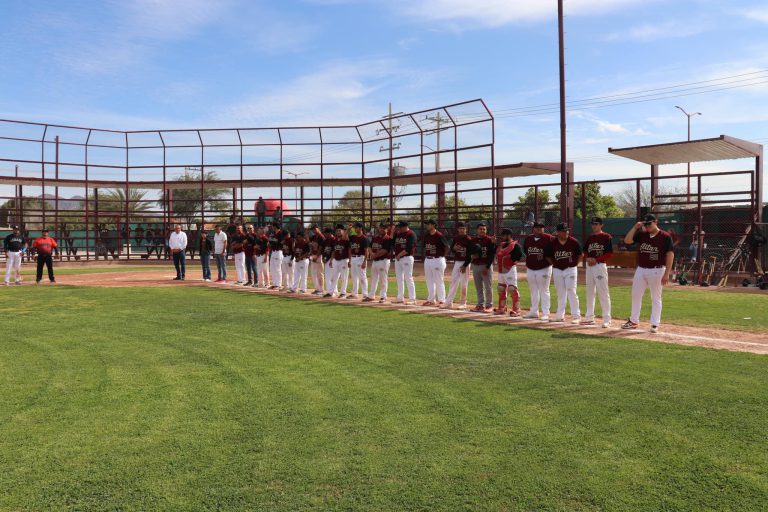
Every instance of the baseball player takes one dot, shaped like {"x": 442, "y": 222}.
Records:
{"x": 460, "y": 273}
{"x": 404, "y": 248}
{"x": 276, "y": 236}
{"x": 44, "y": 247}
{"x": 359, "y": 250}
{"x": 14, "y": 244}
{"x": 654, "y": 261}
{"x": 261, "y": 254}
{"x": 329, "y": 241}
{"x": 538, "y": 261}
{"x": 381, "y": 252}
{"x": 250, "y": 261}
{"x": 316, "y": 260}
{"x": 598, "y": 248}
{"x": 238, "y": 242}
{"x": 340, "y": 262}
{"x": 435, "y": 247}
{"x": 481, "y": 254}
{"x": 566, "y": 255}
{"x": 508, "y": 253}
{"x": 301, "y": 252}
{"x": 287, "y": 264}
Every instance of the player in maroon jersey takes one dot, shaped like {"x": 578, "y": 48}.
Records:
{"x": 404, "y": 249}
{"x": 566, "y": 255}
{"x": 287, "y": 264}
{"x": 538, "y": 262}
{"x": 654, "y": 262}
{"x": 359, "y": 251}
{"x": 435, "y": 248}
{"x": 329, "y": 241}
{"x": 381, "y": 254}
{"x": 460, "y": 273}
{"x": 316, "y": 267}
{"x": 301, "y": 252}
{"x": 261, "y": 255}
{"x": 508, "y": 253}
{"x": 339, "y": 262}
{"x": 481, "y": 254}
{"x": 598, "y": 249}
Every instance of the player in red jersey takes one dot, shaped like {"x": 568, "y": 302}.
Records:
{"x": 654, "y": 262}
{"x": 538, "y": 261}
{"x": 44, "y": 245}
{"x": 435, "y": 248}
{"x": 598, "y": 249}
{"x": 460, "y": 273}
{"x": 381, "y": 253}
{"x": 508, "y": 253}
{"x": 566, "y": 255}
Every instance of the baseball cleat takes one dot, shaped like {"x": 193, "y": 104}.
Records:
{"x": 514, "y": 314}
{"x": 6, "y": 283}
{"x": 499, "y": 311}
{"x": 382, "y": 300}
{"x": 410, "y": 303}
{"x": 18, "y": 283}
{"x": 248, "y": 283}
{"x": 531, "y": 315}
{"x": 398, "y": 301}
{"x": 654, "y": 329}
{"x": 342, "y": 295}
{"x": 462, "y": 307}
{"x": 606, "y": 325}
{"x": 544, "y": 318}
{"x": 367, "y": 299}
{"x": 587, "y": 322}
{"x": 488, "y": 309}
{"x": 557, "y": 320}
{"x": 440, "y": 304}
{"x": 428, "y": 303}
{"x": 629, "y": 324}
{"x": 446, "y": 305}
{"x": 351, "y": 297}
{"x": 478, "y": 308}
{"x": 328, "y": 296}
{"x": 576, "y": 321}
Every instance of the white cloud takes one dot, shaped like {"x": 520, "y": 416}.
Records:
{"x": 656, "y": 31}
{"x": 757, "y": 14}
{"x": 496, "y": 13}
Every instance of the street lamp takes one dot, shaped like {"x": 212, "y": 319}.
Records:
{"x": 689, "y": 116}
{"x": 296, "y": 193}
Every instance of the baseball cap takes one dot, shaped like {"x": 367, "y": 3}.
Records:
{"x": 383, "y": 225}
{"x": 561, "y": 227}
{"x": 597, "y": 220}
{"x": 44, "y": 230}
{"x": 506, "y": 231}
{"x": 358, "y": 224}
{"x": 300, "y": 233}
{"x": 340, "y": 226}
{"x": 649, "y": 217}
{"x": 430, "y": 222}
{"x": 14, "y": 227}
{"x": 402, "y": 224}
{"x": 538, "y": 224}
{"x": 328, "y": 230}
{"x": 460, "y": 225}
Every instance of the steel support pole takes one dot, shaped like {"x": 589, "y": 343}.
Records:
{"x": 564, "y": 189}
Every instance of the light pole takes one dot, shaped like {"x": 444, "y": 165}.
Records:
{"x": 689, "y": 116}
{"x": 296, "y": 193}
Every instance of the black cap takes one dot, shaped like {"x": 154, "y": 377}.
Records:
{"x": 328, "y": 230}
{"x": 14, "y": 227}
{"x": 649, "y": 217}
{"x": 203, "y": 232}
{"x": 506, "y": 231}
{"x": 597, "y": 220}
{"x": 460, "y": 225}
{"x": 538, "y": 224}
{"x": 300, "y": 233}
{"x": 358, "y": 224}
{"x": 562, "y": 227}
{"x": 430, "y": 222}
{"x": 340, "y": 226}
{"x": 402, "y": 224}
{"x": 44, "y": 230}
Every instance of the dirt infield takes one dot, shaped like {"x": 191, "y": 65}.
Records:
{"x": 683, "y": 335}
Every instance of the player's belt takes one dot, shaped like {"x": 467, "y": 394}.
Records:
{"x": 656, "y": 266}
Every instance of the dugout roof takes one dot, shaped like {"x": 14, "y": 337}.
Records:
{"x": 723, "y": 147}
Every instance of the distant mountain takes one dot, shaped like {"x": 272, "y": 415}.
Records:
{"x": 71, "y": 203}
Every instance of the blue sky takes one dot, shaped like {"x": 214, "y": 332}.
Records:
{"x": 194, "y": 63}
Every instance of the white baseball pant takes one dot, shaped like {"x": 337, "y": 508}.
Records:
{"x": 318, "y": 274}
{"x": 647, "y": 278}
{"x": 262, "y": 268}
{"x": 565, "y": 284}
{"x": 380, "y": 277}
{"x": 287, "y": 268}
{"x": 434, "y": 272}
{"x": 276, "y": 267}
{"x": 359, "y": 276}
{"x": 340, "y": 273}
{"x": 329, "y": 278}
{"x": 597, "y": 280}
{"x": 459, "y": 283}
{"x": 300, "y": 269}
{"x": 404, "y": 276}
{"x": 240, "y": 266}
{"x": 12, "y": 266}
{"x": 538, "y": 282}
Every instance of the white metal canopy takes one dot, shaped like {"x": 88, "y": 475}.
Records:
{"x": 723, "y": 147}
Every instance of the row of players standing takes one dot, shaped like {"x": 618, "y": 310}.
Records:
{"x": 277, "y": 259}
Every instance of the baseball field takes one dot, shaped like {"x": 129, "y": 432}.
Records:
{"x": 202, "y": 398}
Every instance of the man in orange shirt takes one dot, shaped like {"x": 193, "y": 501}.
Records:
{"x": 44, "y": 247}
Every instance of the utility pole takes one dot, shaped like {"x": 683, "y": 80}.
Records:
{"x": 438, "y": 120}
{"x": 689, "y": 116}
{"x": 564, "y": 178}
{"x": 391, "y": 147}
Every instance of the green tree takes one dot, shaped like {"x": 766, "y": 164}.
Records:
{"x": 188, "y": 204}
{"x": 596, "y": 203}
{"x": 32, "y": 208}
{"x": 350, "y": 208}
{"x": 466, "y": 211}
{"x": 528, "y": 201}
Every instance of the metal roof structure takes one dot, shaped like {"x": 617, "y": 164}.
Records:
{"x": 723, "y": 147}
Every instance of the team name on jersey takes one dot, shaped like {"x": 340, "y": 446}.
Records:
{"x": 535, "y": 250}
{"x": 651, "y": 250}
{"x": 430, "y": 248}
{"x": 563, "y": 255}
{"x": 596, "y": 247}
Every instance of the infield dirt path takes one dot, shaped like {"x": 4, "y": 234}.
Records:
{"x": 709, "y": 337}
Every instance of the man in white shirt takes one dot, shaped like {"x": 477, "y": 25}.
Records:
{"x": 177, "y": 243}
{"x": 220, "y": 253}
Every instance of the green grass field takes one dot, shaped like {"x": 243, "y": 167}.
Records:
{"x": 203, "y": 399}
